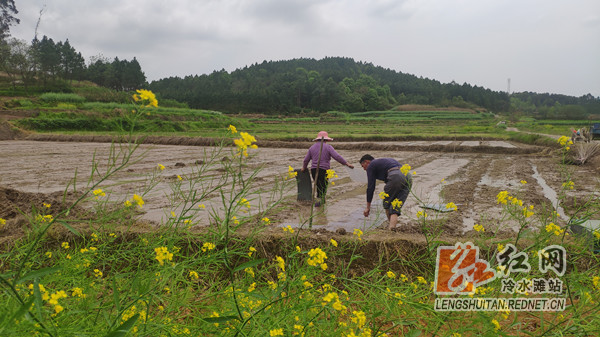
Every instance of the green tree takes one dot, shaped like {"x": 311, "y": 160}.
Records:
{"x": 97, "y": 70}
{"x": 72, "y": 63}
{"x": 133, "y": 76}
{"x": 48, "y": 58}
{"x": 16, "y": 59}
{"x": 8, "y": 10}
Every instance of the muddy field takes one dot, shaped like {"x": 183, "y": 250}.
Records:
{"x": 467, "y": 173}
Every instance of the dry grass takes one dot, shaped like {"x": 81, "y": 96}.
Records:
{"x": 582, "y": 152}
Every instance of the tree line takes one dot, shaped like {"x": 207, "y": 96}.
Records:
{"x": 54, "y": 65}
{"x": 307, "y": 85}
{"x": 338, "y": 83}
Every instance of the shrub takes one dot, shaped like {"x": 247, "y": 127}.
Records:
{"x": 53, "y": 97}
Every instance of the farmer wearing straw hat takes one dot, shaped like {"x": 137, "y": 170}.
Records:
{"x": 320, "y": 154}
{"x": 397, "y": 185}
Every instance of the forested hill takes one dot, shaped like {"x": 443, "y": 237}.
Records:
{"x": 332, "y": 83}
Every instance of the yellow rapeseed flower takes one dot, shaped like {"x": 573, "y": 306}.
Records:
{"x": 391, "y": 274}
{"x": 330, "y": 174}
{"x": 523, "y": 182}
{"x": 421, "y": 214}
{"x": 596, "y": 282}
{"x": 496, "y": 325}
{"x": 383, "y": 195}
{"x": 208, "y": 246}
{"x": 99, "y": 193}
{"x": 246, "y": 141}
{"x": 138, "y": 200}
{"x": 161, "y": 167}
{"x": 358, "y": 233}
{"x": 552, "y": 228}
{"x": 58, "y": 308}
{"x": 78, "y": 292}
{"x": 193, "y": 275}
{"x": 563, "y": 140}
{"x": 98, "y": 273}
{"x": 291, "y": 173}
{"x": 65, "y": 245}
{"x": 162, "y": 254}
{"x": 396, "y": 204}
{"x": 232, "y": 128}
{"x": 479, "y": 228}
{"x": 288, "y": 229}
{"x": 146, "y": 97}
{"x": 252, "y": 287}
{"x": 451, "y": 206}
{"x": 405, "y": 169}
{"x": 526, "y": 212}
{"x": 502, "y": 197}
{"x": 333, "y": 242}
{"x": 244, "y": 202}
{"x": 280, "y": 262}
{"x": 316, "y": 257}
{"x": 44, "y": 218}
{"x": 57, "y": 296}
{"x": 569, "y": 184}
{"x": 359, "y": 318}
{"x": 276, "y": 332}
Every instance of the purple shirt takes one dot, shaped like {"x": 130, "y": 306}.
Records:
{"x": 326, "y": 155}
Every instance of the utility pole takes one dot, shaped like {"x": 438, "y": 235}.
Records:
{"x": 508, "y": 89}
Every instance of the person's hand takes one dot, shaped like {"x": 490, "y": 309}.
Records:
{"x": 303, "y": 169}
{"x": 367, "y": 211}
{"x": 351, "y": 166}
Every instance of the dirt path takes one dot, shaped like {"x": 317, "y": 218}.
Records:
{"x": 533, "y": 133}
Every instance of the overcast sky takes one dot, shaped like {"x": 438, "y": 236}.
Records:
{"x": 541, "y": 45}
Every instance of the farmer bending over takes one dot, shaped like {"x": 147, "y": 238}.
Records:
{"x": 397, "y": 185}
{"x": 327, "y": 152}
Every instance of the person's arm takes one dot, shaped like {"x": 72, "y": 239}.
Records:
{"x": 338, "y": 157}
{"x": 370, "y": 190}
{"x": 367, "y": 210}
{"x": 306, "y": 161}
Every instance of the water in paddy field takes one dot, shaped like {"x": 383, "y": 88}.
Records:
{"x": 549, "y": 193}
{"x": 347, "y": 213}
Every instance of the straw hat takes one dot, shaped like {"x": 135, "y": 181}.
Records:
{"x": 322, "y": 134}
